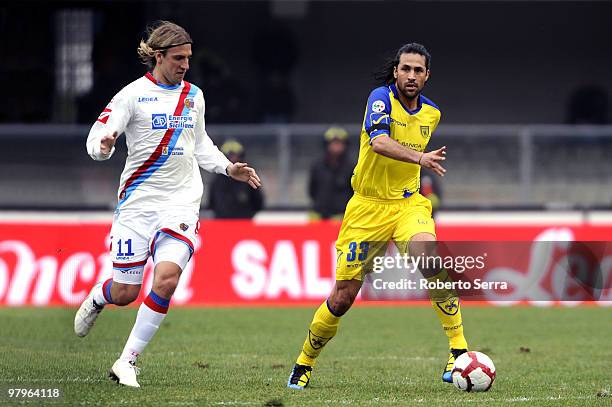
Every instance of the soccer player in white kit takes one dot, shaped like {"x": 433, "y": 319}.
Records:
{"x": 159, "y": 195}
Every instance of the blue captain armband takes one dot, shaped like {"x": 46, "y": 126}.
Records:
{"x": 379, "y": 128}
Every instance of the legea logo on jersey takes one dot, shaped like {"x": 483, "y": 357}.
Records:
{"x": 144, "y": 99}
{"x": 162, "y": 121}
{"x": 159, "y": 121}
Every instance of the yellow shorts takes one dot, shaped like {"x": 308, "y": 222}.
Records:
{"x": 370, "y": 223}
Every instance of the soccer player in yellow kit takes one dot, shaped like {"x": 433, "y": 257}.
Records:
{"x": 387, "y": 205}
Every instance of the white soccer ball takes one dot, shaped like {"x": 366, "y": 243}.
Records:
{"x": 473, "y": 371}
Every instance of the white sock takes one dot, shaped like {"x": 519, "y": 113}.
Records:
{"x": 100, "y": 294}
{"x": 150, "y": 316}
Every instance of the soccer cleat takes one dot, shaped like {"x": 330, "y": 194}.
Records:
{"x": 124, "y": 372}
{"x": 87, "y": 314}
{"x": 300, "y": 377}
{"x": 452, "y": 355}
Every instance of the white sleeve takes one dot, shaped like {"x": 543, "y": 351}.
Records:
{"x": 114, "y": 118}
{"x": 206, "y": 152}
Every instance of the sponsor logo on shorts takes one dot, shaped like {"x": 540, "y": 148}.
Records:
{"x": 354, "y": 265}
{"x": 130, "y": 272}
{"x": 121, "y": 257}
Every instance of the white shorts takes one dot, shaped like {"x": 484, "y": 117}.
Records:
{"x": 166, "y": 236}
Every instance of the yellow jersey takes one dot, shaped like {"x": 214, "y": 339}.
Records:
{"x": 381, "y": 177}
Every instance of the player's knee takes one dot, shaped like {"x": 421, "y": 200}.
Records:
{"x": 166, "y": 284}
{"x": 124, "y": 294}
{"x": 340, "y": 304}
{"x": 342, "y": 297}
{"x": 423, "y": 244}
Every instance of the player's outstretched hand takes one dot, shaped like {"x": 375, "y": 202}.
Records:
{"x": 432, "y": 160}
{"x": 107, "y": 143}
{"x": 242, "y": 172}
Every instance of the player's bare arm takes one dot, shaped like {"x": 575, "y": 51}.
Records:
{"x": 242, "y": 172}
{"x": 392, "y": 149}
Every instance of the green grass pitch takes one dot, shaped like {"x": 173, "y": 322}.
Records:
{"x": 381, "y": 356}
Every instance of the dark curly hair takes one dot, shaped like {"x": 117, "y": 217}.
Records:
{"x": 385, "y": 75}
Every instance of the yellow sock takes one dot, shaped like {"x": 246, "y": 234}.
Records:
{"x": 446, "y": 304}
{"x": 323, "y": 327}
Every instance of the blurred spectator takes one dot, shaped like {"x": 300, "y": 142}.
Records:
{"x": 588, "y": 105}
{"x": 329, "y": 185}
{"x": 231, "y": 199}
{"x": 431, "y": 189}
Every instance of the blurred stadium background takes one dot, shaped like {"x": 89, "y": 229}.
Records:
{"x": 524, "y": 98}
{"x": 524, "y": 89}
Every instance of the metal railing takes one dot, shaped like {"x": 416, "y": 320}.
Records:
{"x": 521, "y": 163}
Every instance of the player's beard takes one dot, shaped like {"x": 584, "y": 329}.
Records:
{"x": 411, "y": 95}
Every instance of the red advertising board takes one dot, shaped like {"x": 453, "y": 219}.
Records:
{"x": 236, "y": 262}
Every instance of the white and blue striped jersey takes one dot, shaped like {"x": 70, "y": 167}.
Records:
{"x": 166, "y": 141}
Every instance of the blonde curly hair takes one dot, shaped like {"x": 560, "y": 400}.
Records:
{"x": 161, "y": 36}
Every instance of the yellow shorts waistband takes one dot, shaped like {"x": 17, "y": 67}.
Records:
{"x": 382, "y": 201}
